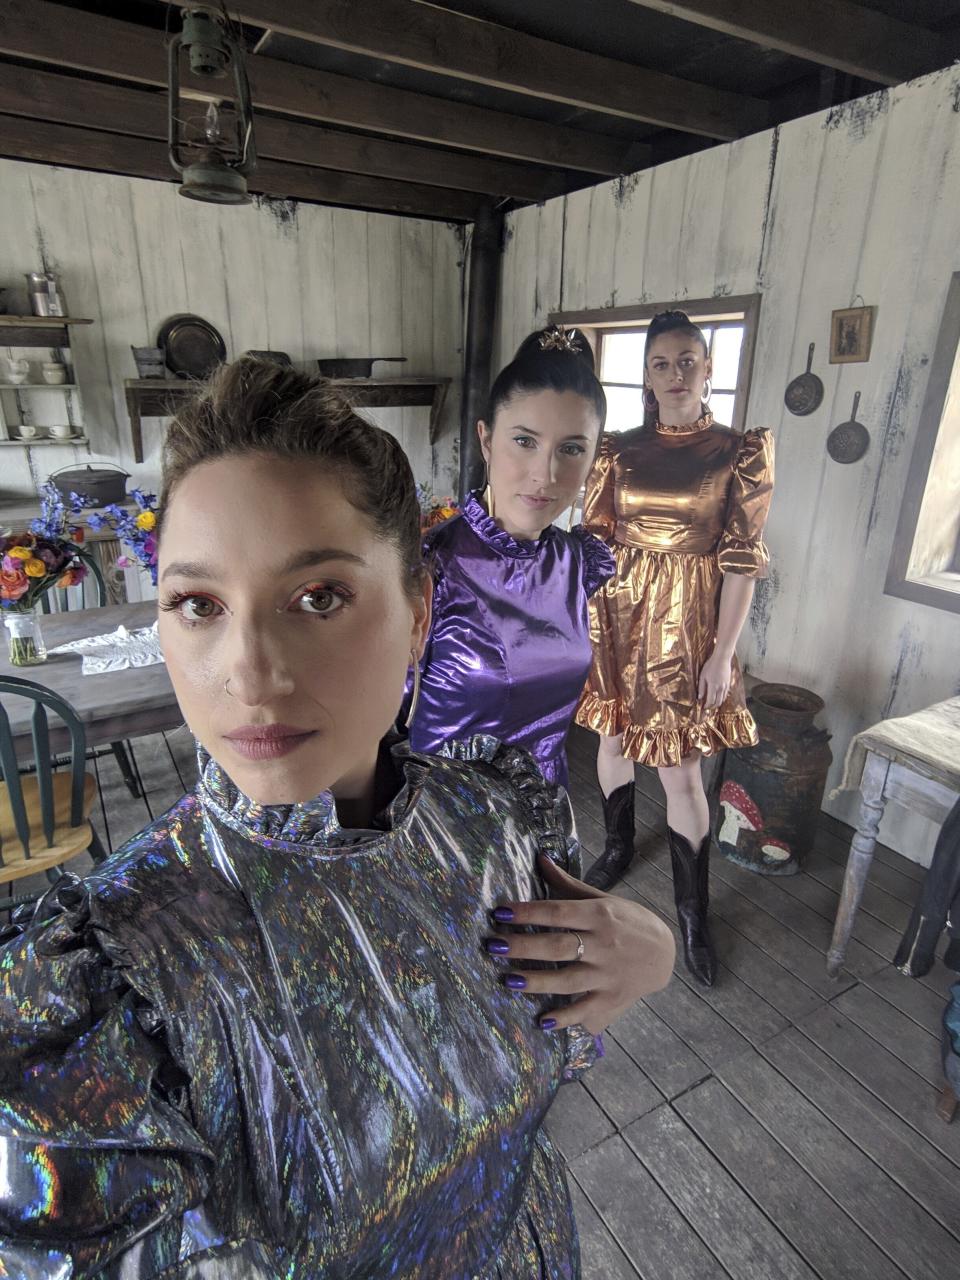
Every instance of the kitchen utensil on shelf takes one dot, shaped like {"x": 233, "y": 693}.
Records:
{"x": 192, "y": 347}
{"x": 149, "y": 362}
{"x": 98, "y": 485}
{"x": 850, "y": 440}
{"x": 46, "y": 297}
{"x": 53, "y": 372}
{"x": 18, "y": 370}
{"x": 355, "y": 367}
{"x": 805, "y": 393}
{"x": 25, "y": 431}
{"x": 61, "y": 431}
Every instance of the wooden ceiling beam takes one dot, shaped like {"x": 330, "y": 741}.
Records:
{"x": 420, "y": 35}
{"x": 834, "y": 33}
{"x": 91, "y": 104}
{"x": 60, "y": 36}
{"x": 40, "y": 140}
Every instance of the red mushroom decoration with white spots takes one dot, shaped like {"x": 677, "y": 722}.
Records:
{"x": 775, "y": 850}
{"x": 739, "y": 814}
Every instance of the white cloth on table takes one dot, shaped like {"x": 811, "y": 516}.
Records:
{"x": 927, "y": 741}
{"x": 116, "y": 651}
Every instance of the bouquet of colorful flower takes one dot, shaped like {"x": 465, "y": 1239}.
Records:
{"x": 135, "y": 529}
{"x": 32, "y": 562}
{"x": 433, "y": 510}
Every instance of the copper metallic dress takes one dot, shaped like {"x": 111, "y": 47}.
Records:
{"x": 679, "y": 507}
{"x": 255, "y": 1046}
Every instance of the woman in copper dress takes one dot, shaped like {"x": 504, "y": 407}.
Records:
{"x": 682, "y": 505}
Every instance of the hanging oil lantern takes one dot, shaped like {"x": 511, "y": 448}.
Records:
{"x": 771, "y": 794}
{"x": 215, "y": 158}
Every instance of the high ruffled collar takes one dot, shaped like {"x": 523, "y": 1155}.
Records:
{"x": 485, "y": 527}
{"x": 313, "y": 823}
{"x": 686, "y": 428}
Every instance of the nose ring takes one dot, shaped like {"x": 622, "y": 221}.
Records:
{"x": 226, "y": 687}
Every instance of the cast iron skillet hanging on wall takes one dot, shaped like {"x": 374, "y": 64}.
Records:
{"x": 851, "y": 440}
{"x": 805, "y": 392}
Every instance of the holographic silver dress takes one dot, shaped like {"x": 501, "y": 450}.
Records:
{"x": 255, "y": 1046}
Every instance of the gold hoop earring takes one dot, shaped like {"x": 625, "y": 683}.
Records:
{"x": 415, "y": 694}
{"x": 707, "y": 390}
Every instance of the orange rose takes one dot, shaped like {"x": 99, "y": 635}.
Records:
{"x": 13, "y": 584}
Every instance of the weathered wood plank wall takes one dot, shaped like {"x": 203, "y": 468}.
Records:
{"x": 859, "y": 202}
{"x": 300, "y": 278}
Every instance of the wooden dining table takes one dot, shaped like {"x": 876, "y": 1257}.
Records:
{"x": 112, "y": 706}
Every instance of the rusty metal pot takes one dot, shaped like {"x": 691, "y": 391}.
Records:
{"x": 771, "y": 794}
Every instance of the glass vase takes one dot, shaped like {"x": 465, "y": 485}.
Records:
{"x": 24, "y": 638}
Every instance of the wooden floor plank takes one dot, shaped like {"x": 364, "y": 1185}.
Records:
{"x": 839, "y": 835}
{"x": 745, "y": 1241}
{"x": 655, "y": 1236}
{"x": 914, "y": 999}
{"x": 619, "y": 1087}
{"x": 908, "y": 1041}
{"x": 894, "y": 1221}
{"x": 658, "y": 1051}
{"x": 887, "y": 1078}
{"x": 602, "y": 1258}
{"x": 919, "y": 1168}
{"x": 815, "y": 1225}
{"x": 575, "y": 1122}
{"x": 876, "y": 901}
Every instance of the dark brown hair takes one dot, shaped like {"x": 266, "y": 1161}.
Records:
{"x": 256, "y": 406}
{"x": 556, "y": 368}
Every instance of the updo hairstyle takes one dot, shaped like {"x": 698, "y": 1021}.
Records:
{"x": 552, "y": 359}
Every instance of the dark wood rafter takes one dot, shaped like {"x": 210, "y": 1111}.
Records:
{"x": 835, "y": 33}
{"x": 61, "y": 99}
{"x": 47, "y": 33}
{"x": 23, "y": 139}
{"x": 440, "y": 41}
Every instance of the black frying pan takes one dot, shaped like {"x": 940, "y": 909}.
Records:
{"x": 851, "y": 440}
{"x": 805, "y": 392}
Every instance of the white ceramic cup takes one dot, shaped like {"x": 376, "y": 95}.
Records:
{"x": 54, "y": 373}
{"x": 25, "y": 431}
{"x": 61, "y": 431}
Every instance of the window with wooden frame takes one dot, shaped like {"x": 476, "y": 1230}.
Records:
{"x": 618, "y": 335}
{"x": 925, "y": 563}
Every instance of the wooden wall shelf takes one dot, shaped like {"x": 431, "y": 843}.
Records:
{"x": 37, "y": 331}
{"x": 159, "y": 398}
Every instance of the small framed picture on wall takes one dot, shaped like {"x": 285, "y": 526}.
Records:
{"x": 851, "y": 335}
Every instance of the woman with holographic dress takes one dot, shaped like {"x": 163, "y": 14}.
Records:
{"x": 262, "y": 1039}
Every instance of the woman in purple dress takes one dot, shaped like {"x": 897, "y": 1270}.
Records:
{"x": 509, "y": 646}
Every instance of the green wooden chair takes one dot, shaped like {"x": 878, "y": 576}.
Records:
{"x": 44, "y": 812}
{"x": 118, "y": 750}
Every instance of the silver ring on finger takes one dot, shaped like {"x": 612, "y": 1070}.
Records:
{"x": 579, "y": 956}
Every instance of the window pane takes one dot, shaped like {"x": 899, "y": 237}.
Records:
{"x": 721, "y": 406}
{"x": 726, "y": 357}
{"x": 622, "y": 357}
{"x": 624, "y": 408}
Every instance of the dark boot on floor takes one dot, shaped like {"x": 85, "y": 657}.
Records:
{"x": 617, "y": 854}
{"x": 691, "y": 893}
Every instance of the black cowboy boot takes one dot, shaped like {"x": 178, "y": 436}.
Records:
{"x": 618, "y": 850}
{"x": 691, "y": 893}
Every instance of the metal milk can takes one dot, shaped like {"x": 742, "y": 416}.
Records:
{"x": 771, "y": 794}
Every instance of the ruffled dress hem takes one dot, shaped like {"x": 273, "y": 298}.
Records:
{"x": 664, "y": 746}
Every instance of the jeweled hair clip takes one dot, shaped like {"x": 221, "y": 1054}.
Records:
{"x": 560, "y": 339}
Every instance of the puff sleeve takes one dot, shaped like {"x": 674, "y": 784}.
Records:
{"x": 599, "y": 511}
{"x": 741, "y": 548}
{"x": 597, "y": 564}
{"x": 98, "y": 1157}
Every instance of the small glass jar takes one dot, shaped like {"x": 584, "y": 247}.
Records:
{"x": 24, "y": 637}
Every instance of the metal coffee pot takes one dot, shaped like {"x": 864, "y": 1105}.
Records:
{"x": 46, "y": 298}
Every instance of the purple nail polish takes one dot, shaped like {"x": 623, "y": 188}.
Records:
{"x": 515, "y": 981}
{"x": 598, "y": 1041}
{"x": 497, "y": 946}
{"x": 548, "y": 1024}
{"x": 503, "y": 914}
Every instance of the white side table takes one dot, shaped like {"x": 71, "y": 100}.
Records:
{"x": 913, "y": 760}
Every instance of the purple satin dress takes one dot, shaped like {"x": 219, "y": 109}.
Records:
{"x": 509, "y": 647}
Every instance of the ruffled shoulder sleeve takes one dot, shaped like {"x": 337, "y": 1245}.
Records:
{"x": 597, "y": 564}
{"x": 599, "y": 509}
{"x": 552, "y": 814}
{"x": 98, "y": 1153}
{"x": 741, "y": 548}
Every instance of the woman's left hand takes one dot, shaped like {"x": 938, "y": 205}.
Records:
{"x": 716, "y": 675}
{"x": 628, "y": 951}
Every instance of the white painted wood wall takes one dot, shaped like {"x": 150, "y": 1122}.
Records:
{"x": 279, "y": 275}
{"x": 862, "y": 201}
